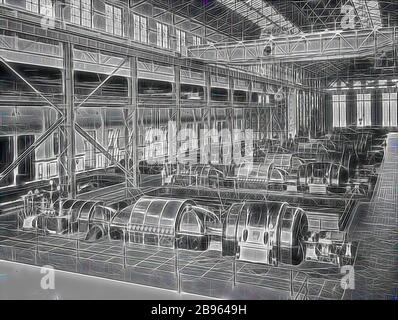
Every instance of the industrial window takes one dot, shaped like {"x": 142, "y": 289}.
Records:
{"x": 6, "y": 158}
{"x": 390, "y": 110}
{"x": 40, "y": 172}
{"x": 239, "y": 124}
{"x": 196, "y": 40}
{"x": 44, "y": 7}
{"x": 81, "y": 12}
{"x": 110, "y": 138}
{"x": 364, "y": 110}
{"x": 180, "y": 40}
{"x": 162, "y": 35}
{"x": 56, "y": 138}
{"x": 89, "y": 150}
{"x": 32, "y": 5}
{"x": 140, "y": 28}
{"x": 113, "y": 19}
{"x": 339, "y": 111}
{"x": 113, "y": 142}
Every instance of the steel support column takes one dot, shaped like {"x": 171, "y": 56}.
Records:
{"x": 292, "y": 112}
{"x": 231, "y": 86}
{"x": 231, "y": 114}
{"x": 319, "y": 46}
{"x": 208, "y": 108}
{"x": 131, "y": 128}
{"x": 67, "y": 157}
{"x": 250, "y": 92}
{"x": 177, "y": 94}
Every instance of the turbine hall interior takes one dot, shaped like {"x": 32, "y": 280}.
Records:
{"x": 223, "y": 148}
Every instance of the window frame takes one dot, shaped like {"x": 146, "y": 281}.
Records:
{"x": 196, "y": 40}
{"x": 140, "y": 28}
{"x": 181, "y": 40}
{"x": 339, "y": 106}
{"x": 162, "y": 35}
{"x": 364, "y": 109}
{"x": 90, "y": 154}
{"x": 77, "y": 6}
{"x": 113, "y": 20}
{"x": 43, "y": 7}
{"x": 390, "y": 103}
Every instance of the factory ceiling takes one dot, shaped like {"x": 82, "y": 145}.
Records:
{"x": 251, "y": 19}
{"x": 216, "y": 15}
{"x": 244, "y": 20}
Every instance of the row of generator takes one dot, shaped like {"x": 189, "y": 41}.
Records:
{"x": 312, "y": 177}
{"x": 336, "y": 163}
{"x": 266, "y": 232}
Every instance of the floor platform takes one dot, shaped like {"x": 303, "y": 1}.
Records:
{"x": 376, "y": 229}
{"x": 23, "y": 282}
{"x": 205, "y": 273}
{"x": 373, "y": 228}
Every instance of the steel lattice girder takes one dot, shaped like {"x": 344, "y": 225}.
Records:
{"x": 320, "y": 46}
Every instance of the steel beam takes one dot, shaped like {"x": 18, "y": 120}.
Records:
{"x": 177, "y": 94}
{"x": 31, "y": 148}
{"x": 52, "y": 105}
{"x": 362, "y": 12}
{"x": 320, "y": 46}
{"x": 368, "y": 12}
{"x": 208, "y": 108}
{"x": 102, "y": 83}
{"x": 119, "y": 47}
{"x": 101, "y": 149}
{"x": 131, "y": 127}
{"x": 231, "y": 99}
{"x": 44, "y": 136}
{"x": 67, "y": 135}
{"x": 262, "y": 14}
{"x": 135, "y": 133}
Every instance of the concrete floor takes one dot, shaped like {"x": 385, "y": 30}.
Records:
{"x": 376, "y": 230}
{"x": 23, "y": 282}
{"x": 207, "y": 273}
